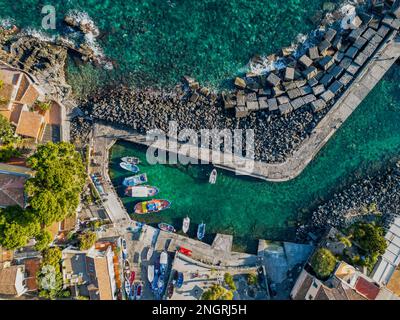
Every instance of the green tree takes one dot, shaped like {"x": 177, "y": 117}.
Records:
{"x": 229, "y": 281}
{"x": 252, "y": 279}
{"x": 7, "y": 152}
{"x": 43, "y": 105}
{"x": 17, "y": 227}
{"x": 43, "y": 240}
{"x": 217, "y": 292}
{"x": 323, "y": 263}
{"x": 54, "y": 191}
{"x": 52, "y": 256}
{"x": 87, "y": 240}
{"x": 6, "y": 131}
{"x": 370, "y": 237}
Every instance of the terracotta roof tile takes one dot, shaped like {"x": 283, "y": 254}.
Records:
{"x": 366, "y": 288}
{"x": 7, "y": 280}
{"x": 32, "y": 266}
{"x": 30, "y": 96}
{"x": 30, "y": 124}
{"x": 6, "y": 93}
{"x": 12, "y": 190}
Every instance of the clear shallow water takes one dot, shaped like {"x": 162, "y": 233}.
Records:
{"x": 252, "y": 209}
{"x": 156, "y": 42}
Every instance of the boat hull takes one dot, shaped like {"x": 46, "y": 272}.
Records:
{"x": 141, "y": 191}
{"x": 135, "y": 180}
{"x": 129, "y": 167}
{"x": 201, "y": 231}
{"x": 152, "y": 206}
{"x": 166, "y": 227}
{"x": 131, "y": 160}
{"x": 186, "y": 225}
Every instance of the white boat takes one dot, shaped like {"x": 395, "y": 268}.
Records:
{"x": 127, "y": 286}
{"x": 135, "y": 180}
{"x": 213, "y": 176}
{"x": 150, "y": 251}
{"x": 141, "y": 191}
{"x": 132, "y": 160}
{"x": 186, "y": 224}
{"x": 163, "y": 258}
{"x": 150, "y": 273}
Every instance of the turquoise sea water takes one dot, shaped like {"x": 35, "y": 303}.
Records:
{"x": 155, "y": 42}
{"x": 252, "y": 209}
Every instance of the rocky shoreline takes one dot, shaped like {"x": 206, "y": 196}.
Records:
{"x": 282, "y": 106}
{"x": 371, "y": 198}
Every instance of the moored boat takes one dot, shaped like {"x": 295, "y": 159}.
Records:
{"x": 201, "y": 231}
{"x": 149, "y": 254}
{"x": 127, "y": 288}
{"x": 179, "y": 281}
{"x": 138, "y": 291}
{"x": 150, "y": 273}
{"x": 152, "y": 206}
{"x": 141, "y": 191}
{"x": 132, "y": 160}
{"x": 126, "y": 265}
{"x": 170, "y": 290}
{"x": 135, "y": 180}
{"x": 129, "y": 167}
{"x": 132, "y": 277}
{"x": 186, "y": 224}
{"x": 213, "y": 176}
{"x": 166, "y": 227}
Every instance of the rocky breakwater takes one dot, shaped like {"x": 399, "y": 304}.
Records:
{"x": 315, "y": 75}
{"x": 372, "y": 197}
{"x": 282, "y": 106}
{"x": 275, "y": 137}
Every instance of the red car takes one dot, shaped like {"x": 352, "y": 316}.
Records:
{"x": 185, "y": 251}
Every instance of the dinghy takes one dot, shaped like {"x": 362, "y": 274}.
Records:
{"x": 213, "y": 176}
{"x": 201, "y": 231}
{"x": 179, "y": 281}
{"x": 186, "y": 224}
{"x": 149, "y": 254}
{"x": 129, "y": 167}
{"x": 135, "y": 180}
{"x": 166, "y": 227}
{"x": 150, "y": 273}
{"x": 141, "y": 191}
{"x": 131, "y": 160}
{"x": 127, "y": 287}
{"x": 152, "y": 206}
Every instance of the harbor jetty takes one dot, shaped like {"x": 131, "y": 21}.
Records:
{"x": 293, "y": 111}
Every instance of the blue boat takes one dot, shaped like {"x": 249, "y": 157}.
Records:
{"x": 201, "y": 231}
{"x": 130, "y": 167}
{"x": 135, "y": 180}
{"x": 179, "y": 281}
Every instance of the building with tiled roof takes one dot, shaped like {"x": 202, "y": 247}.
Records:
{"x": 12, "y": 185}
{"x": 18, "y": 97}
{"x": 32, "y": 267}
{"x": 12, "y": 281}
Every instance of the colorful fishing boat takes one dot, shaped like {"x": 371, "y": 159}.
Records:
{"x": 186, "y": 224}
{"x": 166, "y": 227}
{"x": 135, "y": 180}
{"x": 152, "y": 206}
{"x": 141, "y": 191}
{"x": 213, "y": 176}
{"x": 129, "y": 167}
{"x": 201, "y": 231}
{"x": 138, "y": 291}
{"x": 149, "y": 254}
{"x": 124, "y": 248}
{"x": 150, "y": 273}
{"x": 185, "y": 251}
{"x": 131, "y": 160}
